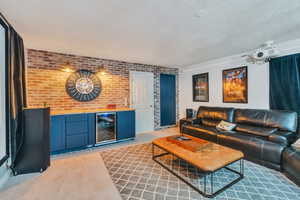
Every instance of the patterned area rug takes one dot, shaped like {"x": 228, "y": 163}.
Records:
{"x": 137, "y": 176}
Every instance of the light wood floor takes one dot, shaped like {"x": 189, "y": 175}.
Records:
{"x": 79, "y": 175}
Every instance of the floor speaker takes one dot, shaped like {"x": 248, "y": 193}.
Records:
{"x": 34, "y": 153}
{"x": 189, "y": 113}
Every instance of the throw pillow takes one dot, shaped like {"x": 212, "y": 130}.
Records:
{"x": 296, "y": 145}
{"x": 226, "y": 126}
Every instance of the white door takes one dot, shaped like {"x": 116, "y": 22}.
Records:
{"x": 142, "y": 100}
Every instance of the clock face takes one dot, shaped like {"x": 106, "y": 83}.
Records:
{"x": 83, "y": 85}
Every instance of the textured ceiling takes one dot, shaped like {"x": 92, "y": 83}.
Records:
{"x": 175, "y": 33}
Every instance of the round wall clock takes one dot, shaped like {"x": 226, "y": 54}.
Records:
{"x": 83, "y": 85}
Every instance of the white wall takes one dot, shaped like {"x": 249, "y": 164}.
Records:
{"x": 4, "y": 172}
{"x": 258, "y": 80}
{"x": 2, "y": 94}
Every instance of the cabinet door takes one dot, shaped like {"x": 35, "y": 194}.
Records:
{"x": 76, "y": 130}
{"x": 92, "y": 128}
{"x": 125, "y": 125}
{"x": 58, "y": 136}
{"x": 76, "y": 141}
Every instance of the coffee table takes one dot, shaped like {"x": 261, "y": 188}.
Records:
{"x": 205, "y": 156}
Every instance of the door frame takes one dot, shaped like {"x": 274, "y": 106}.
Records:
{"x": 131, "y": 75}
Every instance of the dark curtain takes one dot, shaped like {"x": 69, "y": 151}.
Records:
{"x": 17, "y": 93}
{"x": 285, "y": 83}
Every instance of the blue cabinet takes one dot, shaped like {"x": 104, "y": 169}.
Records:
{"x": 73, "y": 131}
{"x": 76, "y": 141}
{"x": 92, "y": 128}
{"x": 58, "y": 133}
{"x": 76, "y": 130}
{"x": 125, "y": 125}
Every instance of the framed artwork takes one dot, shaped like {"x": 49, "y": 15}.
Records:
{"x": 200, "y": 87}
{"x": 235, "y": 85}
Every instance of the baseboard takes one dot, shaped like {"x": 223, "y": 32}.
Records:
{"x": 5, "y": 173}
{"x": 164, "y": 127}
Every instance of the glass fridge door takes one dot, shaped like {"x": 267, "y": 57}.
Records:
{"x": 105, "y": 127}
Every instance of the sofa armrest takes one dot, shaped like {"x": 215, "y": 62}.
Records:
{"x": 196, "y": 121}
{"x": 186, "y": 121}
{"x": 283, "y": 137}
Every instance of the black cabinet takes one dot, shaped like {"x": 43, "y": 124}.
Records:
{"x": 125, "y": 125}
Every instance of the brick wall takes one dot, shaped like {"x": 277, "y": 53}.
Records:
{"x": 46, "y": 81}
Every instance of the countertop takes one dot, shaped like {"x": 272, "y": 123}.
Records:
{"x": 79, "y": 111}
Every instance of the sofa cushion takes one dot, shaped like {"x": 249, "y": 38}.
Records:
{"x": 283, "y": 120}
{"x": 291, "y": 164}
{"x": 204, "y": 132}
{"x": 215, "y": 113}
{"x": 254, "y": 147}
{"x": 210, "y": 122}
{"x": 256, "y": 130}
{"x": 282, "y": 137}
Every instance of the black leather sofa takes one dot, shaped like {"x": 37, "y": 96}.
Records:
{"x": 291, "y": 164}
{"x": 262, "y": 135}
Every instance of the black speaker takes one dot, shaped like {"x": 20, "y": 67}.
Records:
{"x": 34, "y": 154}
{"x": 189, "y": 113}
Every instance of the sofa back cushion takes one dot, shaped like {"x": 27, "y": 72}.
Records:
{"x": 282, "y": 120}
{"x": 256, "y": 130}
{"x": 210, "y": 122}
{"x": 213, "y": 115}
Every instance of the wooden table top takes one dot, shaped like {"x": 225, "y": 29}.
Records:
{"x": 80, "y": 111}
{"x": 209, "y": 158}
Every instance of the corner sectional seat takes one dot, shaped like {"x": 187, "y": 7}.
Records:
{"x": 262, "y": 135}
{"x": 291, "y": 164}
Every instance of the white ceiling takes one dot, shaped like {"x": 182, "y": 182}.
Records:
{"x": 174, "y": 33}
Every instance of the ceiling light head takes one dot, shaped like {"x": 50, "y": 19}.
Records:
{"x": 101, "y": 70}
{"x": 67, "y": 68}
